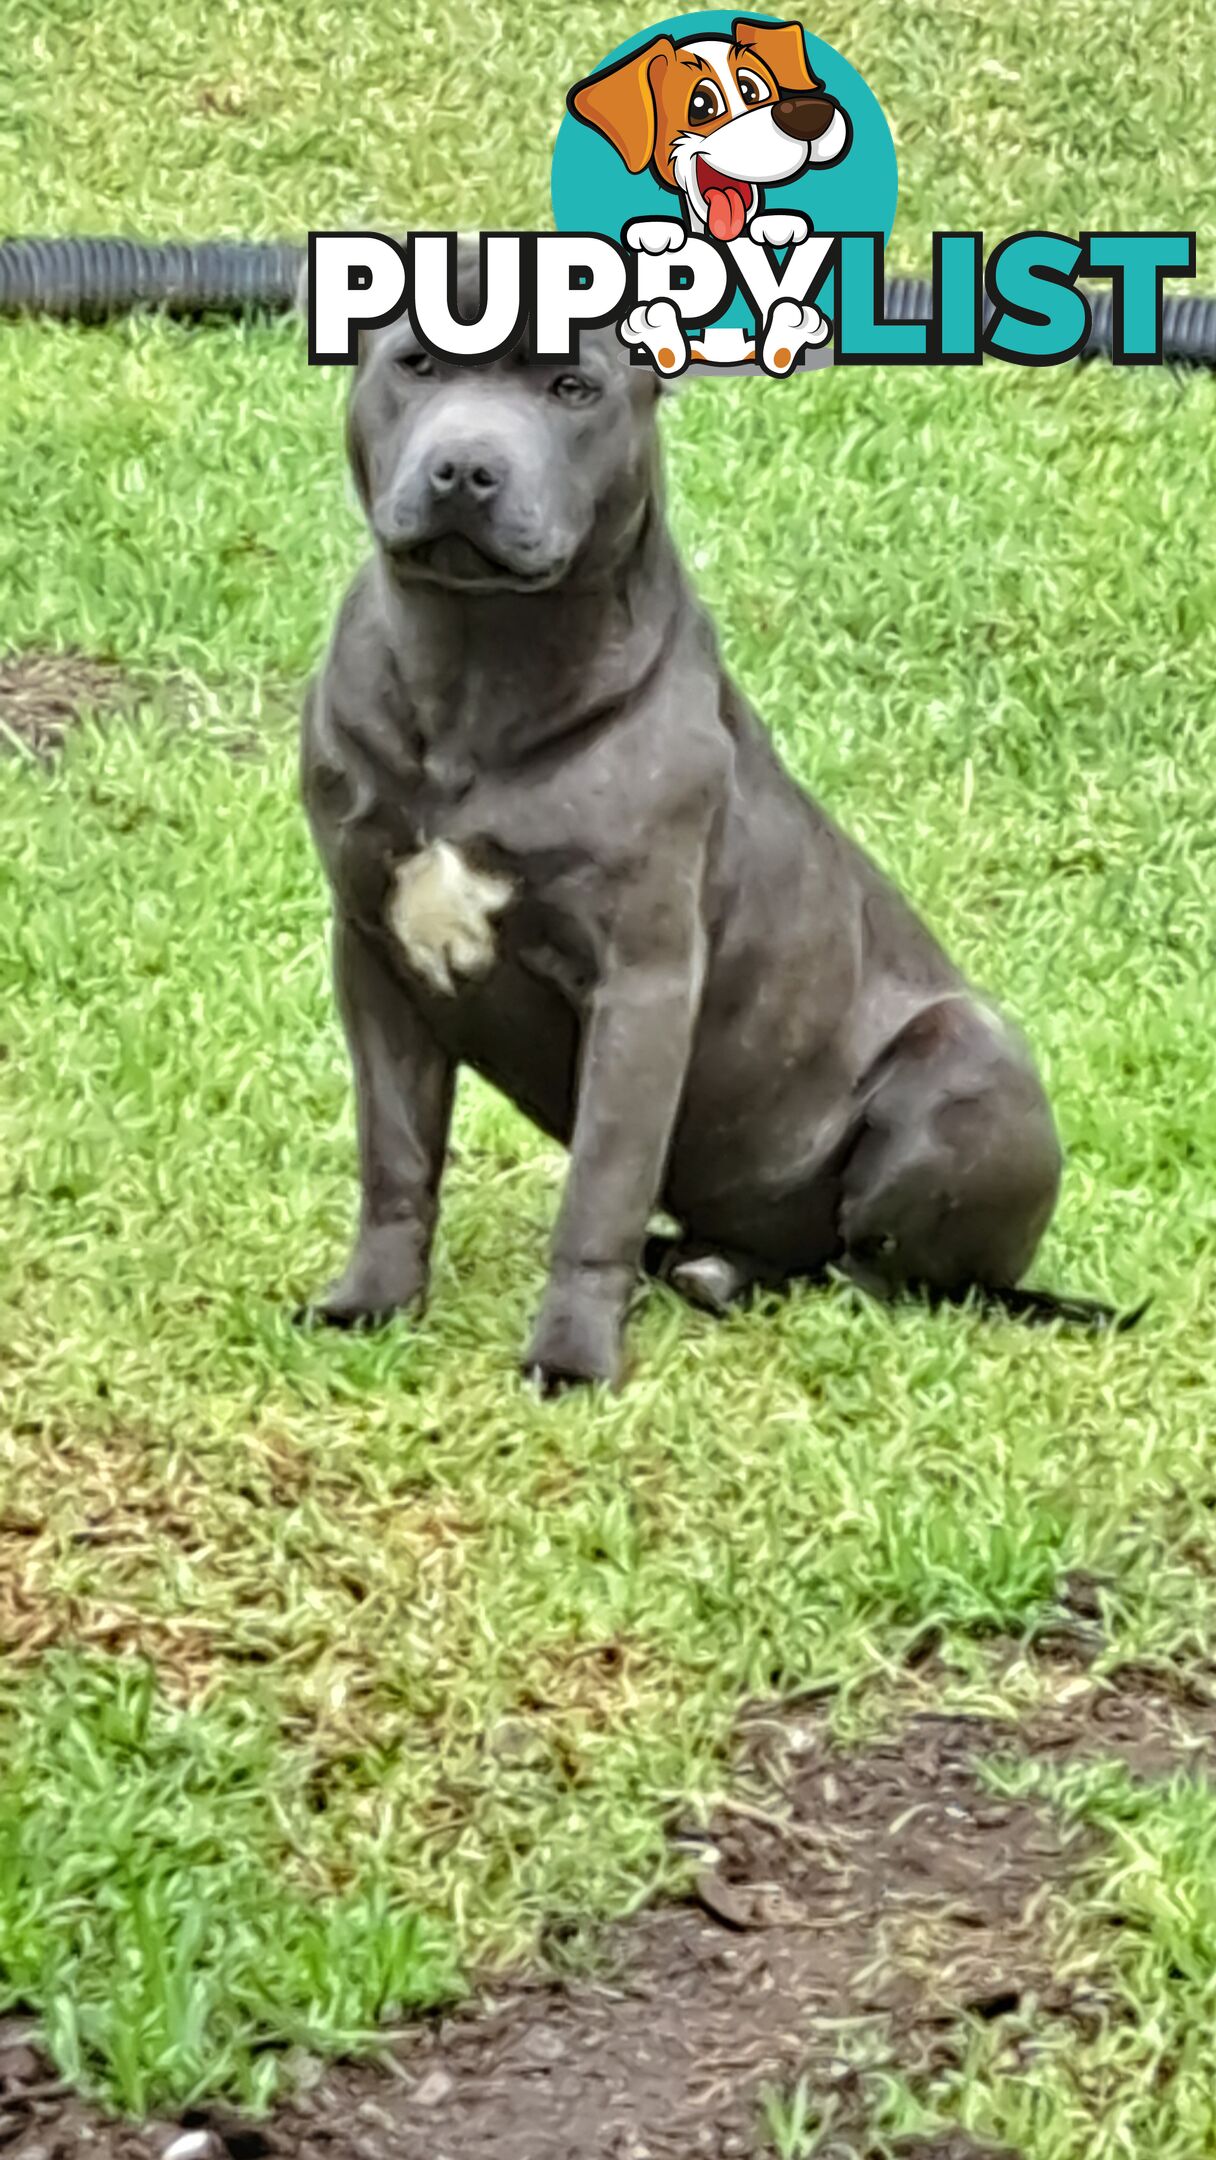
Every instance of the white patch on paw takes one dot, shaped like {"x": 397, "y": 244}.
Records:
{"x": 712, "y": 1282}
{"x": 779, "y": 228}
{"x": 441, "y": 912}
{"x": 790, "y": 329}
{"x": 656, "y": 325}
{"x": 655, "y": 235}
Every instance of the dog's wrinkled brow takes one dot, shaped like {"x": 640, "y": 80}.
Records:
{"x": 694, "y": 61}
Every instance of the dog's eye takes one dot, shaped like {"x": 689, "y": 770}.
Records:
{"x": 706, "y": 103}
{"x": 574, "y": 389}
{"x": 752, "y": 90}
{"x": 415, "y": 363}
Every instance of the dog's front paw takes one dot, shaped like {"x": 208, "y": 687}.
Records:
{"x": 385, "y": 1277}
{"x": 655, "y": 235}
{"x": 788, "y": 332}
{"x": 657, "y": 326}
{"x": 579, "y": 1336}
{"x": 780, "y": 228}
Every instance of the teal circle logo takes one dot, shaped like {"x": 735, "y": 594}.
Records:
{"x": 594, "y": 189}
{"x": 736, "y": 143}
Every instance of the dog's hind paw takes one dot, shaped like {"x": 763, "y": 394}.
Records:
{"x": 712, "y": 1282}
{"x": 716, "y": 1282}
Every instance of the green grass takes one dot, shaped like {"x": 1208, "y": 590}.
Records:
{"x": 156, "y": 1904}
{"x": 430, "y": 1662}
{"x": 791, "y": 2122}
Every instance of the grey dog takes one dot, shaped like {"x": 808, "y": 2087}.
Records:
{"x": 563, "y": 851}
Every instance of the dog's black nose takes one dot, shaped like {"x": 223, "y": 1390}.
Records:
{"x": 804, "y": 117}
{"x": 478, "y": 475}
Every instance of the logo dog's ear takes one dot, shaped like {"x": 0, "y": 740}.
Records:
{"x": 622, "y": 101}
{"x": 782, "y": 48}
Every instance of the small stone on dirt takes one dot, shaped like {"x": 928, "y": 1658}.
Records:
{"x": 19, "y": 2066}
{"x": 435, "y": 2088}
{"x": 370, "y": 2111}
{"x": 192, "y": 2145}
{"x": 303, "y": 2070}
{"x": 545, "y": 2045}
{"x": 734, "y": 1904}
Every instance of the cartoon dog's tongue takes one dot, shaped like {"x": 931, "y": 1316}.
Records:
{"x": 726, "y": 201}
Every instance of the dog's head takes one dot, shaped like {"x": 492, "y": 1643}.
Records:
{"x": 504, "y": 476}
{"x": 717, "y": 118}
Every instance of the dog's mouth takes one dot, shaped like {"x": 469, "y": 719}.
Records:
{"x": 456, "y": 561}
{"x": 728, "y": 202}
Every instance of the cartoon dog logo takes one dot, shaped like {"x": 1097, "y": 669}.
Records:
{"x": 717, "y": 120}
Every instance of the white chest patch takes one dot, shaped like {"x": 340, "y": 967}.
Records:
{"x": 442, "y": 913}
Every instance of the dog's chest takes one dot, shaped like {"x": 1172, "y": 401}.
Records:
{"x": 487, "y": 871}
{"x": 444, "y": 913}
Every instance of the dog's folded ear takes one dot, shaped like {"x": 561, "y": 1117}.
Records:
{"x": 782, "y": 48}
{"x": 621, "y": 102}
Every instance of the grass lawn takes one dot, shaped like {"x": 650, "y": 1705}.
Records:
{"x": 338, "y": 1669}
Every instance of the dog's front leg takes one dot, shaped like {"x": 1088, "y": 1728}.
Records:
{"x": 403, "y": 1103}
{"x": 635, "y": 1054}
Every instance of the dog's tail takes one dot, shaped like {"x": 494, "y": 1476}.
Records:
{"x": 1043, "y": 1308}
{"x": 1035, "y": 1308}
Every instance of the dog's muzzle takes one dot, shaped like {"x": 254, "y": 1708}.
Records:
{"x": 448, "y": 522}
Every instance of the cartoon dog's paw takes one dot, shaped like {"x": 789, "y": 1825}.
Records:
{"x": 655, "y": 235}
{"x": 656, "y": 325}
{"x": 788, "y": 332}
{"x": 780, "y": 228}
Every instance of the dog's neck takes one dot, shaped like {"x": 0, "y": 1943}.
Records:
{"x": 546, "y": 664}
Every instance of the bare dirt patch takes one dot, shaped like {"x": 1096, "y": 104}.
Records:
{"x": 43, "y": 695}
{"x": 1153, "y": 1720}
{"x": 848, "y": 1908}
{"x": 880, "y": 1892}
{"x": 883, "y": 1893}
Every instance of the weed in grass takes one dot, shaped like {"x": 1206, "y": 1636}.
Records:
{"x": 792, "y": 2122}
{"x": 149, "y": 1906}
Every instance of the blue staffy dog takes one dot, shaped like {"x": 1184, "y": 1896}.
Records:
{"x": 562, "y": 850}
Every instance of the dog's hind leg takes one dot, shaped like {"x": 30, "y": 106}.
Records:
{"x": 953, "y": 1174}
